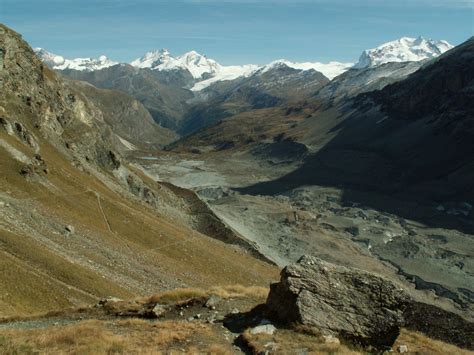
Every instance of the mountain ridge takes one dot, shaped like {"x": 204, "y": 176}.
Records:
{"x": 206, "y": 71}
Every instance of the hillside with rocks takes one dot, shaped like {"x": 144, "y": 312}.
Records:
{"x": 71, "y": 206}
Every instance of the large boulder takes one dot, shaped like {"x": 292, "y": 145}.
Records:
{"x": 352, "y": 303}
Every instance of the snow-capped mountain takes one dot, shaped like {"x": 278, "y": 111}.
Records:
{"x": 83, "y": 64}
{"x": 152, "y": 59}
{"x": 405, "y": 49}
{"x": 330, "y": 70}
{"x": 206, "y": 71}
{"x": 199, "y": 65}
{"x": 195, "y": 63}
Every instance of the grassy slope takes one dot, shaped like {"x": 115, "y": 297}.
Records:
{"x": 42, "y": 269}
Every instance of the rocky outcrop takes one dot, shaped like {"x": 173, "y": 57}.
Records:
{"x": 163, "y": 93}
{"x": 355, "y": 304}
{"x": 127, "y": 117}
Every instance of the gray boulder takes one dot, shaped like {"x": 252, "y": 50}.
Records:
{"x": 352, "y": 303}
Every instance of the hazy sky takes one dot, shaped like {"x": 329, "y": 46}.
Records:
{"x": 233, "y": 31}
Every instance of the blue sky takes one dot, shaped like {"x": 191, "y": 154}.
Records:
{"x": 233, "y": 31}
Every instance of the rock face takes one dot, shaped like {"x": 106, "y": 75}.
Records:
{"x": 357, "y": 305}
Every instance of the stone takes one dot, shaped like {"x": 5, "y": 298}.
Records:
{"x": 2, "y": 204}
{"x": 108, "y": 300}
{"x": 6, "y": 126}
{"x": 213, "y": 301}
{"x": 330, "y": 339}
{"x": 219, "y": 318}
{"x": 357, "y": 305}
{"x": 271, "y": 346}
{"x": 402, "y": 349}
{"x": 211, "y": 319}
{"x": 268, "y": 329}
{"x": 159, "y": 310}
{"x": 70, "y": 229}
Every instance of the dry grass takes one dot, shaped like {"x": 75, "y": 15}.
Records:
{"x": 86, "y": 337}
{"x": 290, "y": 342}
{"x": 120, "y": 337}
{"x": 231, "y": 291}
{"x": 178, "y": 295}
{"x": 420, "y": 344}
{"x": 214, "y": 349}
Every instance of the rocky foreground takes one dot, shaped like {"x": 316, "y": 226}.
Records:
{"x": 317, "y": 307}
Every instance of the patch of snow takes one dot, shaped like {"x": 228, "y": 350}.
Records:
{"x": 405, "y": 49}
{"x": 227, "y": 73}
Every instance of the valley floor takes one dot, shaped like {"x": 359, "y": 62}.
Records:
{"x": 435, "y": 264}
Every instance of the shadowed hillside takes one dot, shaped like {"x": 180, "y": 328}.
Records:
{"x": 410, "y": 142}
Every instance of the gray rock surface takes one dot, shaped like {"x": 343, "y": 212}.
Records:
{"x": 355, "y": 304}
{"x": 268, "y": 329}
{"x": 159, "y": 310}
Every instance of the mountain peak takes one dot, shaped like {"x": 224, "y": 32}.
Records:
{"x": 195, "y": 63}
{"x": 192, "y": 53}
{"x": 152, "y": 59}
{"x": 404, "y": 49}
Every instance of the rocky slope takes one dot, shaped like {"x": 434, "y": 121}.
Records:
{"x": 127, "y": 117}
{"x": 162, "y": 93}
{"x": 265, "y": 88}
{"x": 357, "y": 81}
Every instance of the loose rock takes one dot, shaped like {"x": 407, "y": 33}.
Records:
{"x": 268, "y": 329}
{"x": 212, "y": 301}
{"x": 158, "y": 310}
{"x": 358, "y": 305}
{"x": 329, "y": 339}
{"x": 403, "y": 349}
